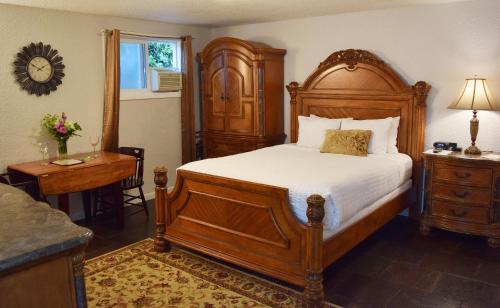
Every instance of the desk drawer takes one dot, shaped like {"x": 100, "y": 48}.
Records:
{"x": 459, "y": 212}
{"x": 463, "y": 175}
{"x": 85, "y": 177}
{"x": 463, "y": 194}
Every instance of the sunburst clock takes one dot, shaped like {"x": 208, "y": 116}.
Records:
{"x": 39, "y": 69}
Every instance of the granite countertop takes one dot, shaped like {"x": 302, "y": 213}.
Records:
{"x": 30, "y": 230}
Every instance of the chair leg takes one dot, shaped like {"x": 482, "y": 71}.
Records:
{"x": 144, "y": 203}
{"x": 43, "y": 198}
{"x": 96, "y": 200}
{"x": 87, "y": 205}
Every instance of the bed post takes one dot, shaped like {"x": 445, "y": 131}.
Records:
{"x": 292, "y": 89}
{"x": 421, "y": 90}
{"x": 161, "y": 200}
{"x": 314, "y": 294}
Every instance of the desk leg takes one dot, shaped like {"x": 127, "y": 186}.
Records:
{"x": 87, "y": 204}
{"x": 118, "y": 202}
{"x": 63, "y": 203}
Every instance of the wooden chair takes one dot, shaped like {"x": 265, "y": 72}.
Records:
{"x": 134, "y": 182}
{"x": 29, "y": 186}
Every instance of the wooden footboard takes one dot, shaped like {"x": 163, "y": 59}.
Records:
{"x": 241, "y": 222}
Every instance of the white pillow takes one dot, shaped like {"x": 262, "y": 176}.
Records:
{"x": 312, "y": 130}
{"x": 380, "y": 132}
{"x": 393, "y": 136}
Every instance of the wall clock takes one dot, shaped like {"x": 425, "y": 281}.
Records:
{"x": 39, "y": 69}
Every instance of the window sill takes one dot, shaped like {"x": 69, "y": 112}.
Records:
{"x": 144, "y": 95}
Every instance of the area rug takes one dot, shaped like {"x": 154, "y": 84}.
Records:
{"x": 137, "y": 276}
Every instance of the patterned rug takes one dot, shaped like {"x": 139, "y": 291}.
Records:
{"x": 136, "y": 276}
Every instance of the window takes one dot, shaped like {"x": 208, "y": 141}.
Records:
{"x": 138, "y": 57}
{"x": 132, "y": 66}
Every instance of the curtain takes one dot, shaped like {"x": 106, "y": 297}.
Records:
{"x": 187, "y": 102}
{"x": 111, "y": 92}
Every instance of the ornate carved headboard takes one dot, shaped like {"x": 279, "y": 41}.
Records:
{"x": 356, "y": 83}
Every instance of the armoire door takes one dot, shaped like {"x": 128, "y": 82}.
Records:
{"x": 239, "y": 95}
{"x": 214, "y": 95}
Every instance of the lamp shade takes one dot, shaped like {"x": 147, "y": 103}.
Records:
{"x": 475, "y": 96}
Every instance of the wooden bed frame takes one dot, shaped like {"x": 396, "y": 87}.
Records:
{"x": 252, "y": 225}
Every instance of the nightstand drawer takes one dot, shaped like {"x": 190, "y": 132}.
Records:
{"x": 463, "y": 175}
{"x": 475, "y": 196}
{"x": 458, "y": 212}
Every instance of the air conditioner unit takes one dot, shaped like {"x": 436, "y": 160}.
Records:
{"x": 165, "y": 81}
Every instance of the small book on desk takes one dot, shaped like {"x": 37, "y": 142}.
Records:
{"x": 67, "y": 162}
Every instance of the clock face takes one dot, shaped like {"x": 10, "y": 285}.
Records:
{"x": 40, "y": 69}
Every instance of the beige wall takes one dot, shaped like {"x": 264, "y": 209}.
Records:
{"x": 441, "y": 44}
{"x": 157, "y": 130}
{"x": 153, "y": 124}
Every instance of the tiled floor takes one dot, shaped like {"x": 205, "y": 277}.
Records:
{"x": 396, "y": 267}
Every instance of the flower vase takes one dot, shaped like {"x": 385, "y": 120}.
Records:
{"x": 62, "y": 149}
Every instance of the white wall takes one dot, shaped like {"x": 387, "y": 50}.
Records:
{"x": 153, "y": 124}
{"x": 441, "y": 44}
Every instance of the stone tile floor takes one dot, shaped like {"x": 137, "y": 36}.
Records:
{"x": 395, "y": 267}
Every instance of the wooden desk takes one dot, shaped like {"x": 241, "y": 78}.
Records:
{"x": 107, "y": 169}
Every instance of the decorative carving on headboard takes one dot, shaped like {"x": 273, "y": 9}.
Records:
{"x": 351, "y": 57}
{"x": 292, "y": 89}
{"x": 421, "y": 89}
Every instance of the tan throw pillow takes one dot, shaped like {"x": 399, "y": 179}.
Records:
{"x": 348, "y": 142}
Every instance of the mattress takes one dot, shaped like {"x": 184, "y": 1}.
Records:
{"x": 349, "y": 184}
{"x": 327, "y": 233}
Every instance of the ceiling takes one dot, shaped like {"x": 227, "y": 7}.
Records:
{"x": 219, "y": 12}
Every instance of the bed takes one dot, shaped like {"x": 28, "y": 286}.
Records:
{"x": 268, "y": 222}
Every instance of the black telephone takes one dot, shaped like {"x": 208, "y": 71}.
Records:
{"x": 441, "y": 145}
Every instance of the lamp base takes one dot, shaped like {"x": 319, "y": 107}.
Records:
{"x": 473, "y": 150}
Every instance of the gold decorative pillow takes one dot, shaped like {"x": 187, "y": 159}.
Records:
{"x": 348, "y": 142}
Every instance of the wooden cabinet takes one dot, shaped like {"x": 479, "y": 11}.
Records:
{"x": 242, "y": 96}
{"x": 462, "y": 194}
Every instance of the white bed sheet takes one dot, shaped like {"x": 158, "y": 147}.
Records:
{"x": 368, "y": 209}
{"x": 348, "y": 183}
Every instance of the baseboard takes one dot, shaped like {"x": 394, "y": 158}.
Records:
{"x": 149, "y": 196}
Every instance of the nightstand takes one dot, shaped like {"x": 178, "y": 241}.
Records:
{"x": 462, "y": 194}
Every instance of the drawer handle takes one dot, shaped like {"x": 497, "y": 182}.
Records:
{"x": 462, "y": 175}
{"x": 461, "y": 194}
{"x": 458, "y": 213}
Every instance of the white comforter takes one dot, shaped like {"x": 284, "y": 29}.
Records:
{"x": 348, "y": 183}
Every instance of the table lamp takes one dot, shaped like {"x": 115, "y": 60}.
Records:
{"x": 475, "y": 96}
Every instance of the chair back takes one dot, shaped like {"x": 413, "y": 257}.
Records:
{"x": 30, "y": 186}
{"x": 4, "y": 179}
{"x": 135, "y": 180}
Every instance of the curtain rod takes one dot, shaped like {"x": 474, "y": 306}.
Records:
{"x": 105, "y": 31}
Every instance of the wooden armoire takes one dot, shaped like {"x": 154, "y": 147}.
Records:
{"x": 242, "y": 96}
